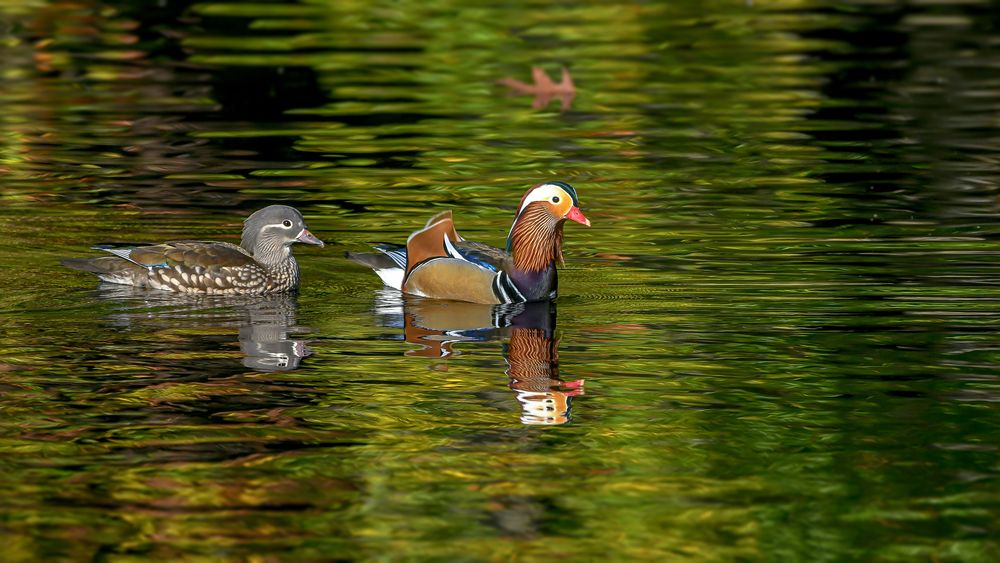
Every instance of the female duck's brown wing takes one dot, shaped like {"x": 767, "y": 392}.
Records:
{"x": 181, "y": 254}
{"x": 188, "y": 254}
{"x": 180, "y": 266}
{"x": 200, "y": 266}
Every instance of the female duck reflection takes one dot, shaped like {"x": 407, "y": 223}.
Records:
{"x": 263, "y": 321}
{"x": 531, "y": 352}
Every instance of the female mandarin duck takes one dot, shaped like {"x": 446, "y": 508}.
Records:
{"x": 262, "y": 263}
{"x": 436, "y": 262}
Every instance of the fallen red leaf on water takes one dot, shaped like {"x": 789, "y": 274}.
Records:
{"x": 543, "y": 88}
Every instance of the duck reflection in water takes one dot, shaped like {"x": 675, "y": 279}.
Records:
{"x": 264, "y": 322}
{"x": 531, "y": 351}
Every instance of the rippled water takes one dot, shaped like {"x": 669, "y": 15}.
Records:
{"x": 777, "y": 341}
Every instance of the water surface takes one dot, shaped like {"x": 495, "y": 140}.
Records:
{"x": 777, "y": 341}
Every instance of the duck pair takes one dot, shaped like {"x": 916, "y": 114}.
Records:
{"x": 435, "y": 262}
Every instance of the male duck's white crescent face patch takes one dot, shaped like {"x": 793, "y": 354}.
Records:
{"x": 552, "y": 194}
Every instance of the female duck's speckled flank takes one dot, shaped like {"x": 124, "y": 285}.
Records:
{"x": 437, "y": 262}
{"x": 262, "y": 263}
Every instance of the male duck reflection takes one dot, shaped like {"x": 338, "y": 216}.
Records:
{"x": 261, "y": 264}
{"x": 532, "y": 356}
{"x": 436, "y": 262}
{"x": 531, "y": 353}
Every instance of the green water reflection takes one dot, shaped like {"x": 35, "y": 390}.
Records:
{"x": 785, "y": 312}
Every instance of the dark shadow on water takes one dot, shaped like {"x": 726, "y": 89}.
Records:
{"x": 531, "y": 348}
{"x": 263, "y": 323}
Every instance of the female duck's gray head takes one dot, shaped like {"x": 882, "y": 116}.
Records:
{"x": 269, "y": 232}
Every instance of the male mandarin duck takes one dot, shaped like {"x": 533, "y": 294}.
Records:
{"x": 261, "y": 264}
{"x": 438, "y": 263}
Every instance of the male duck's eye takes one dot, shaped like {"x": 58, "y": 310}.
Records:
{"x": 555, "y": 199}
{"x": 287, "y": 223}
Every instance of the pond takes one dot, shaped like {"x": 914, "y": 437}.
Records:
{"x": 777, "y": 341}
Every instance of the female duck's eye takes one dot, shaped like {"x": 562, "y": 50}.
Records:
{"x": 287, "y": 224}
{"x": 555, "y": 199}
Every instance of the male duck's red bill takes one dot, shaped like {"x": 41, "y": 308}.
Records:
{"x": 437, "y": 262}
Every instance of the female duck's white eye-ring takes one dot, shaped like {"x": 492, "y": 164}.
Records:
{"x": 555, "y": 199}
{"x": 286, "y": 223}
